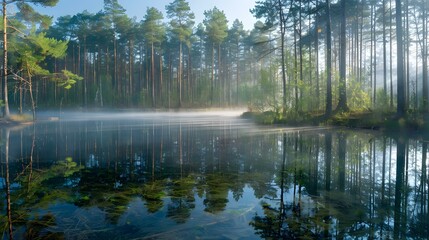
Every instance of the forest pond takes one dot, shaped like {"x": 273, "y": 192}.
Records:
{"x": 207, "y": 175}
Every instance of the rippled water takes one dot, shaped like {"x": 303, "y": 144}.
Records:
{"x": 208, "y": 175}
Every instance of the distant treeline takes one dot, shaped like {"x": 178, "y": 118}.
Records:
{"x": 303, "y": 56}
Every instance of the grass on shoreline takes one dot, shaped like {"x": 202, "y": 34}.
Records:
{"x": 387, "y": 121}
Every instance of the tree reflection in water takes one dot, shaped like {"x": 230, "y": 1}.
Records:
{"x": 360, "y": 194}
{"x": 99, "y": 179}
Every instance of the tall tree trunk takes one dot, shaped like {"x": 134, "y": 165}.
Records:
{"x": 85, "y": 81}
{"x": 295, "y": 66}
{"x": 212, "y": 78}
{"x": 130, "y": 74}
{"x": 152, "y": 73}
{"x": 391, "y": 52}
{"x": 282, "y": 46}
{"x": 401, "y": 107}
{"x": 384, "y": 50}
{"x": 374, "y": 56}
{"x": 220, "y": 78}
{"x": 342, "y": 103}
{"x": 237, "y": 57}
{"x": 301, "y": 74}
{"x": 190, "y": 78}
{"x": 160, "y": 79}
{"x": 425, "y": 62}
{"x": 6, "y": 112}
{"x": 328, "y": 111}
{"x": 30, "y": 89}
{"x": 317, "y": 60}
{"x": 179, "y": 75}
{"x": 407, "y": 52}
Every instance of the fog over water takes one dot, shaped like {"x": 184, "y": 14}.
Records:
{"x": 197, "y": 174}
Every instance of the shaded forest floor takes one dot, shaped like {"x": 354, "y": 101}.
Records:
{"x": 389, "y": 122}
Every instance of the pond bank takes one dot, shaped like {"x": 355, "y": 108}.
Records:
{"x": 410, "y": 125}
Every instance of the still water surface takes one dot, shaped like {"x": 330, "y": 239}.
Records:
{"x": 208, "y": 176}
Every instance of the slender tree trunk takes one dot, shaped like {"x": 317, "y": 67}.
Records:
{"x": 237, "y": 57}
{"x": 425, "y": 62}
{"x": 384, "y": 50}
{"x": 179, "y": 76}
{"x": 212, "y": 78}
{"x": 295, "y": 66}
{"x": 342, "y": 104}
{"x": 374, "y": 56}
{"x": 130, "y": 74}
{"x": 282, "y": 49}
{"x": 317, "y": 61}
{"x": 401, "y": 106}
{"x": 6, "y": 112}
{"x": 220, "y": 78}
{"x": 152, "y": 73}
{"x": 301, "y": 74}
{"x": 328, "y": 111}
{"x": 30, "y": 89}
{"x": 85, "y": 73}
{"x": 20, "y": 96}
{"x": 115, "y": 68}
{"x": 100, "y": 81}
{"x": 160, "y": 80}
{"x": 190, "y": 78}
{"x": 391, "y": 53}
{"x": 407, "y": 52}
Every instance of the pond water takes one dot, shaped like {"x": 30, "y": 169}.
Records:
{"x": 207, "y": 176}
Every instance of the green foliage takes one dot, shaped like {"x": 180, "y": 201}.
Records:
{"x": 153, "y": 28}
{"x": 66, "y": 79}
{"x": 28, "y": 14}
{"x": 358, "y": 99}
{"x": 33, "y": 51}
{"x": 182, "y": 19}
{"x": 216, "y": 25}
{"x": 382, "y": 102}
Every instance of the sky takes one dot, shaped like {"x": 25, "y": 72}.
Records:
{"x": 234, "y": 9}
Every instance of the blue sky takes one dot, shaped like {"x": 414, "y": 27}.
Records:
{"x": 137, "y": 8}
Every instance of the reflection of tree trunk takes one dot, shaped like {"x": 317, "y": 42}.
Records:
{"x": 30, "y": 164}
{"x": 328, "y": 158}
{"x": 314, "y": 170}
{"x": 383, "y": 172}
{"x": 342, "y": 145}
{"x": 282, "y": 205}
{"x": 153, "y": 152}
{"x": 400, "y": 165}
{"x": 424, "y": 177}
{"x": 180, "y": 151}
{"x": 9, "y": 213}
